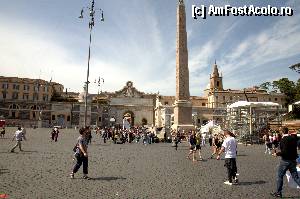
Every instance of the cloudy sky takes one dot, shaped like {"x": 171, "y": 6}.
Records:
{"x": 137, "y": 41}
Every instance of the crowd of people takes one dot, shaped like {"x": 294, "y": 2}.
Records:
{"x": 271, "y": 140}
{"x": 120, "y": 135}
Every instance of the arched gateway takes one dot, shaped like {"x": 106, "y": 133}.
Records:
{"x": 129, "y": 116}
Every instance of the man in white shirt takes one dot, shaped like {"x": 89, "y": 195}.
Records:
{"x": 19, "y": 135}
{"x": 229, "y": 146}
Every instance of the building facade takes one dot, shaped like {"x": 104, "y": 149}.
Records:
{"x": 110, "y": 108}
{"x": 25, "y": 100}
{"x": 218, "y": 97}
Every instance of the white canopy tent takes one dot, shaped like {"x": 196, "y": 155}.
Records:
{"x": 252, "y": 104}
{"x": 243, "y": 115}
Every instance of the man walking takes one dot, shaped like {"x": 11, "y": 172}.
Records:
{"x": 19, "y": 135}
{"x": 288, "y": 153}
{"x": 229, "y": 146}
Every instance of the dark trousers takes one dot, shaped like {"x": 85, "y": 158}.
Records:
{"x": 54, "y": 136}
{"x": 81, "y": 160}
{"x": 282, "y": 168}
{"x": 230, "y": 164}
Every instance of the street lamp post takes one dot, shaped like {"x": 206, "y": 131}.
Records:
{"x": 99, "y": 87}
{"x": 92, "y": 13}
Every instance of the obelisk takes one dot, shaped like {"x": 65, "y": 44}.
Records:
{"x": 182, "y": 105}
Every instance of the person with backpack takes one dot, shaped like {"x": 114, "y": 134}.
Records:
{"x": 81, "y": 153}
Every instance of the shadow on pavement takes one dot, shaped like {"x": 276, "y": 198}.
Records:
{"x": 241, "y": 155}
{"x": 251, "y": 183}
{"x": 29, "y": 151}
{"x": 108, "y": 178}
{"x": 292, "y": 197}
{"x": 102, "y": 144}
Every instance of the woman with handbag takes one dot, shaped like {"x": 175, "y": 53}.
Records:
{"x": 81, "y": 153}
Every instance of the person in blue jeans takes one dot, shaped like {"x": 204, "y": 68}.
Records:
{"x": 81, "y": 153}
{"x": 288, "y": 153}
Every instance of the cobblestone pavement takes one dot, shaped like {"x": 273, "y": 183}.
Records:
{"x": 129, "y": 171}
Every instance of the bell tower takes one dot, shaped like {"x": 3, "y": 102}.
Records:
{"x": 216, "y": 82}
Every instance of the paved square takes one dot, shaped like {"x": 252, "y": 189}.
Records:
{"x": 129, "y": 171}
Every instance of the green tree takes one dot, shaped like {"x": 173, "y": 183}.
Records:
{"x": 288, "y": 87}
{"x": 297, "y": 95}
{"x": 265, "y": 86}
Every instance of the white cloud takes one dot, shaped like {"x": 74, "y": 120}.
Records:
{"x": 25, "y": 52}
{"x": 280, "y": 41}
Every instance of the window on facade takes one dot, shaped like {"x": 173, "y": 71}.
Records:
{"x": 230, "y": 98}
{"x": 25, "y": 96}
{"x": 16, "y": 86}
{"x": 99, "y": 119}
{"x": 13, "y": 114}
{"x": 45, "y": 98}
{"x": 26, "y": 87}
{"x": 3, "y": 94}
{"x": 166, "y": 103}
{"x": 203, "y": 104}
{"x": 198, "y": 121}
{"x": 36, "y": 88}
{"x": 218, "y": 83}
{"x": 68, "y": 118}
{"x": 276, "y": 99}
{"x": 5, "y": 86}
{"x": 15, "y": 95}
{"x": 53, "y": 117}
{"x": 224, "y": 98}
{"x": 35, "y": 96}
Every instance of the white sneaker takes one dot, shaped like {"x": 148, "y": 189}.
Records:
{"x": 228, "y": 183}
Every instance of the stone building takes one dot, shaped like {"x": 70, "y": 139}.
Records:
{"x": 25, "y": 100}
{"x": 109, "y": 108}
{"x": 213, "y": 105}
{"x": 218, "y": 97}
